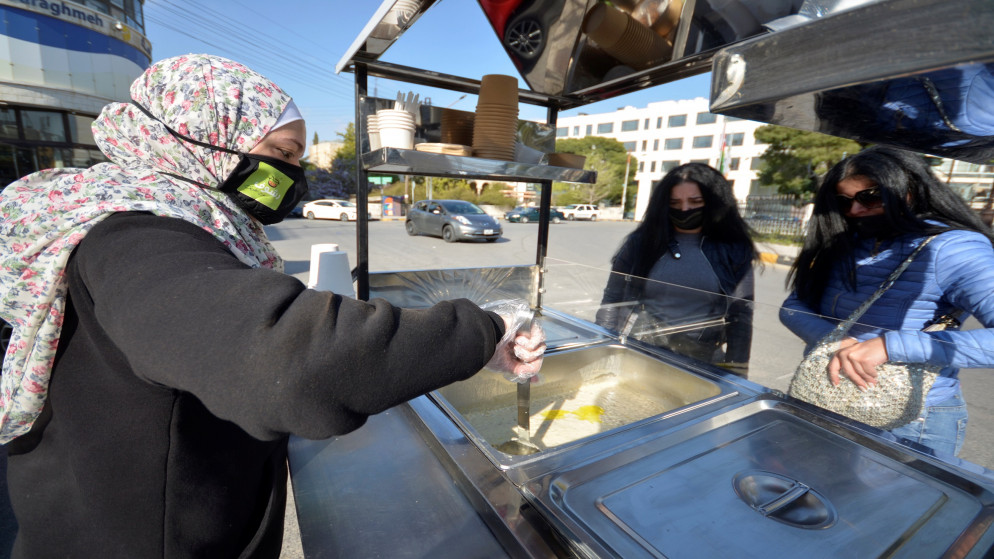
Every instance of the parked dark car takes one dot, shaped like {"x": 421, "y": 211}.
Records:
{"x": 453, "y": 220}
{"x": 298, "y": 210}
{"x": 524, "y": 215}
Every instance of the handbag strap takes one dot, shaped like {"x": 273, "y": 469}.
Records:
{"x": 845, "y": 325}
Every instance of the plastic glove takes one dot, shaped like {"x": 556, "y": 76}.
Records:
{"x": 519, "y": 353}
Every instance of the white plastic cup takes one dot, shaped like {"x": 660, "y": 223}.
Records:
{"x": 397, "y": 137}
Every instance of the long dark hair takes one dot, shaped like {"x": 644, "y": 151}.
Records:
{"x": 912, "y": 197}
{"x": 722, "y": 222}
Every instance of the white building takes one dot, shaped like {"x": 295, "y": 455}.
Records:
{"x": 322, "y": 154}
{"x": 669, "y": 133}
{"x": 60, "y": 63}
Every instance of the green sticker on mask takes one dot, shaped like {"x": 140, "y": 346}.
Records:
{"x": 267, "y": 185}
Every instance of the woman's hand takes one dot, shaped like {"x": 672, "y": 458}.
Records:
{"x": 858, "y": 361}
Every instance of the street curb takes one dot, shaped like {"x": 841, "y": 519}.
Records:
{"x": 774, "y": 258}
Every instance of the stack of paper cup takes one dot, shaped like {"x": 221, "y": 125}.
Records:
{"x": 457, "y": 127}
{"x": 373, "y": 131}
{"x": 625, "y": 38}
{"x": 396, "y": 128}
{"x": 496, "y": 122}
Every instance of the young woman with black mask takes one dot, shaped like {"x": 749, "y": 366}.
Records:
{"x": 688, "y": 266}
{"x": 872, "y": 210}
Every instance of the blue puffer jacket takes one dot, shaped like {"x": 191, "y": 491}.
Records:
{"x": 955, "y": 271}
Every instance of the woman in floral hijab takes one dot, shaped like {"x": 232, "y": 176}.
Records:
{"x": 160, "y": 358}
{"x": 45, "y": 215}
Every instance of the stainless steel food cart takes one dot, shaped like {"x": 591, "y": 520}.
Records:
{"x": 684, "y": 460}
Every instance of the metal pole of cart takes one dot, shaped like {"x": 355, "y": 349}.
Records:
{"x": 545, "y": 206}
{"x": 361, "y": 188}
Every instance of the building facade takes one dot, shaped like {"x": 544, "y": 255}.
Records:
{"x": 60, "y": 63}
{"x": 322, "y": 154}
{"x": 665, "y": 134}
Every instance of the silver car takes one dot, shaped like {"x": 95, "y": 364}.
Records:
{"x": 452, "y": 220}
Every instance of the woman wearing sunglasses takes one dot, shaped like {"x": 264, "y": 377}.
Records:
{"x": 871, "y": 212}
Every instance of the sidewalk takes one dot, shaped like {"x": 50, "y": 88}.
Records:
{"x": 771, "y": 253}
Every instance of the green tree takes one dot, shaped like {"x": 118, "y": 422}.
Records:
{"x": 315, "y": 140}
{"x": 608, "y": 157}
{"x": 347, "y": 151}
{"x": 797, "y": 160}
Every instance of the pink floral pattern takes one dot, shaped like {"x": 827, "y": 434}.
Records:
{"x": 43, "y": 216}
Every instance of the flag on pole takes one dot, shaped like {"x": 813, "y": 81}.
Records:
{"x": 721, "y": 156}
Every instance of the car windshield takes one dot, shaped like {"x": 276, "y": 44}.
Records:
{"x": 459, "y": 207}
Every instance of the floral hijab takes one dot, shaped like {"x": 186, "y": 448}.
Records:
{"x": 45, "y": 215}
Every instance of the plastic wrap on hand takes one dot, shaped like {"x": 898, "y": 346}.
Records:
{"x": 512, "y": 359}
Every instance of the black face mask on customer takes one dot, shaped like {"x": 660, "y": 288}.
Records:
{"x": 687, "y": 219}
{"x": 872, "y": 227}
{"x": 265, "y": 187}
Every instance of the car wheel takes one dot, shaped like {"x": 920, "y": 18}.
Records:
{"x": 555, "y": 220}
{"x": 343, "y": 217}
{"x": 525, "y": 38}
{"x": 524, "y": 220}
{"x": 410, "y": 229}
{"x": 571, "y": 217}
{"x": 448, "y": 235}
{"x": 593, "y": 218}
{"x": 310, "y": 215}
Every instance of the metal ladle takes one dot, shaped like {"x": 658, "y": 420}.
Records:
{"x": 520, "y": 444}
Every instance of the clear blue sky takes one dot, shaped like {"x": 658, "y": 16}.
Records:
{"x": 297, "y": 43}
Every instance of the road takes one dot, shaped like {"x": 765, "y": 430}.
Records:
{"x": 578, "y": 264}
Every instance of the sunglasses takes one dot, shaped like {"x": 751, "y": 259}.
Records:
{"x": 871, "y": 198}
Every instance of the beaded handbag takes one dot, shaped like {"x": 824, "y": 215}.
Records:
{"x": 897, "y": 399}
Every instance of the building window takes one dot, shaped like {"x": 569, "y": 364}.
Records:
{"x": 733, "y": 164}
{"x": 645, "y": 144}
{"x": 590, "y": 129}
{"x": 676, "y": 121}
{"x": 673, "y": 143}
{"x": 629, "y": 125}
{"x": 701, "y": 161}
{"x": 703, "y": 141}
{"x": 757, "y": 163}
{"x": 576, "y": 130}
{"x": 605, "y": 128}
{"x": 641, "y": 166}
{"x": 670, "y": 165}
{"x": 32, "y": 139}
{"x": 736, "y": 139}
{"x": 629, "y": 146}
{"x": 706, "y": 118}
{"x": 652, "y": 167}
{"x": 562, "y": 131}
{"x": 659, "y": 122}
{"x": 8, "y": 123}
{"x": 44, "y": 126}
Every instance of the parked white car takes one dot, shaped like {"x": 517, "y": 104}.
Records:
{"x": 342, "y": 210}
{"x": 581, "y": 211}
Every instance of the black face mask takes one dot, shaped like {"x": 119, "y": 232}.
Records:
{"x": 265, "y": 187}
{"x": 872, "y": 227}
{"x": 687, "y": 219}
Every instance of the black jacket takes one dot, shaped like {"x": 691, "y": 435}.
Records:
{"x": 732, "y": 264}
{"x": 180, "y": 373}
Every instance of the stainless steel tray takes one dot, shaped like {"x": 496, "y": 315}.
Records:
{"x": 761, "y": 481}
